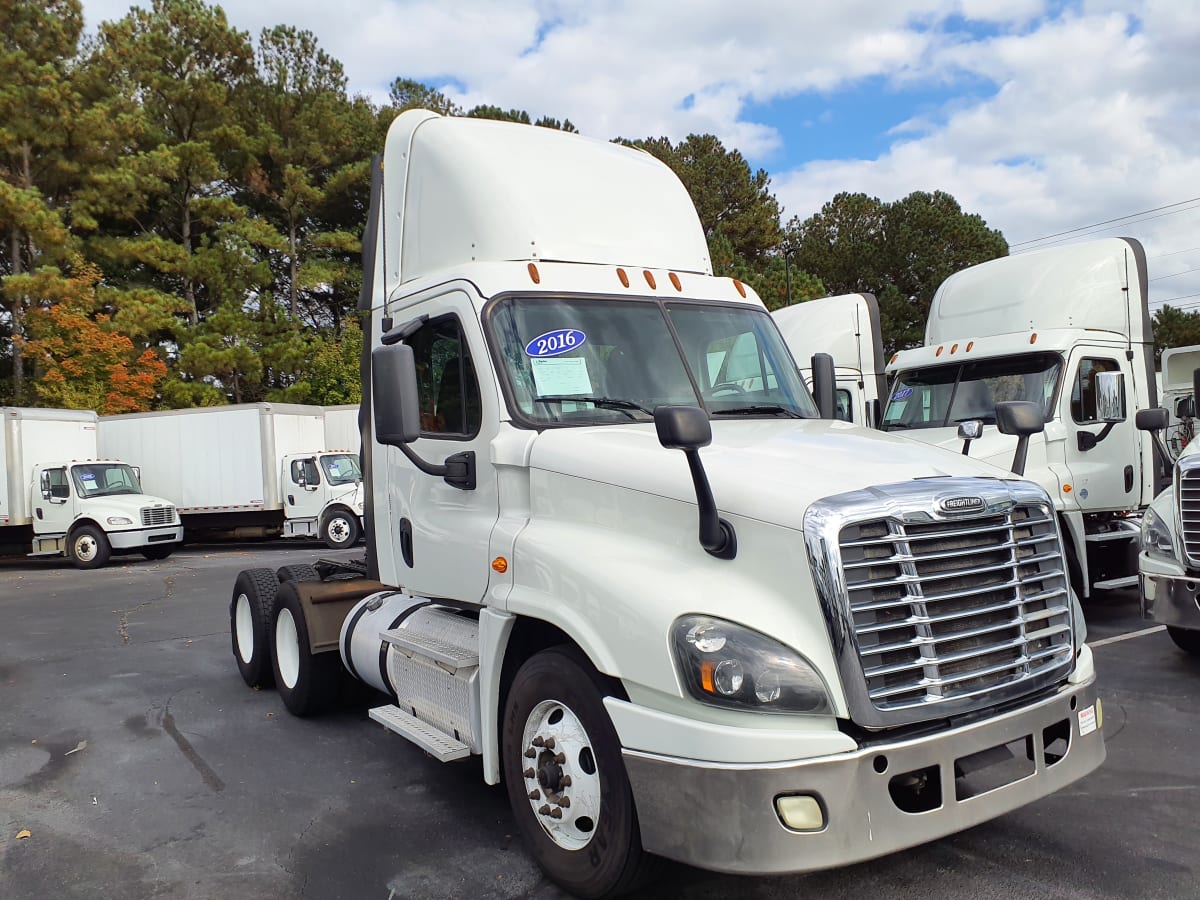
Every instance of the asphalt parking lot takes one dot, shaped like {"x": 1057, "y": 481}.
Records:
{"x": 142, "y": 766}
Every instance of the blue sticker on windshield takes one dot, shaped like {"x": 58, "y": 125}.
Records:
{"x": 556, "y": 342}
{"x": 902, "y": 394}
{"x": 87, "y": 476}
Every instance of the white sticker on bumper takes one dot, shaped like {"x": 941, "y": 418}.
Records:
{"x": 1087, "y": 720}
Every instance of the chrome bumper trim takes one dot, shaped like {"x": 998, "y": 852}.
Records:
{"x": 1171, "y": 600}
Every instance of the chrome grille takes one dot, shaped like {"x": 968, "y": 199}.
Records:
{"x": 1189, "y": 507}
{"x": 158, "y": 515}
{"x": 934, "y": 612}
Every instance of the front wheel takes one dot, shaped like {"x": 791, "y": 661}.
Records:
{"x": 565, "y": 777}
{"x": 1186, "y": 639}
{"x": 158, "y": 551}
{"x": 88, "y": 547}
{"x": 340, "y": 529}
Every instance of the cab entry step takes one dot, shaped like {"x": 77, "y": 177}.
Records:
{"x": 439, "y": 745}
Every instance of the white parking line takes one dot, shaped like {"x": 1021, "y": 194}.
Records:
{"x": 1124, "y": 637}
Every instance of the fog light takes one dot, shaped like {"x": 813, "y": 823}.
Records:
{"x": 800, "y": 812}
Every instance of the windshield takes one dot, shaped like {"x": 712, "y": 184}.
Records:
{"x": 341, "y": 468}
{"x": 587, "y": 361}
{"x": 104, "y": 479}
{"x": 939, "y": 396}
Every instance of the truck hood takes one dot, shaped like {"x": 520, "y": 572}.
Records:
{"x": 128, "y": 505}
{"x": 992, "y": 447}
{"x": 769, "y": 470}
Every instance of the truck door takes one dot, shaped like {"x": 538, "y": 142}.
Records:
{"x": 441, "y": 533}
{"x": 1107, "y": 476}
{"x": 303, "y": 488}
{"x": 53, "y": 502}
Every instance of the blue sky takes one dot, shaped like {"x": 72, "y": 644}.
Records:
{"x": 1039, "y": 116}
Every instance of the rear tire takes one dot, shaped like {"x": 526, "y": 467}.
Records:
{"x": 88, "y": 547}
{"x": 593, "y": 848}
{"x": 308, "y": 682}
{"x": 249, "y": 622}
{"x": 340, "y": 529}
{"x": 297, "y": 572}
{"x": 158, "y": 551}
{"x": 1186, "y": 639}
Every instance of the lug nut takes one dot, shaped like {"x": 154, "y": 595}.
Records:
{"x": 565, "y": 781}
{"x": 544, "y": 809}
{"x": 565, "y": 802}
{"x": 530, "y": 753}
{"x": 535, "y": 795}
{"x": 529, "y": 773}
{"x": 538, "y": 742}
{"x": 556, "y": 813}
{"x": 549, "y": 743}
{"x": 560, "y": 758}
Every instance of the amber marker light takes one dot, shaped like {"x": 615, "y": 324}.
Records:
{"x": 533, "y": 273}
{"x": 970, "y": 344}
{"x": 624, "y": 278}
{"x": 895, "y": 356}
{"x": 500, "y": 564}
{"x": 1066, "y": 489}
{"x": 953, "y": 349}
{"x": 675, "y": 281}
{"x": 649, "y": 278}
{"x": 706, "y": 676}
{"x": 741, "y": 288}
{"x": 939, "y": 351}
{"x": 1033, "y": 338}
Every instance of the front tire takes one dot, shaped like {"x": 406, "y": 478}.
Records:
{"x": 1186, "y": 639}
{"x": 158, "y": 551}
{"x": 88, "y": 547}
{"x": 566, "y": 780}
{"x": 249, "y": 623}
{"x": 308, "y": 682}
{"x": 340, "y": 529}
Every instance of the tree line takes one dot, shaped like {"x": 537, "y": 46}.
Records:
{"x": 182, "y": 206}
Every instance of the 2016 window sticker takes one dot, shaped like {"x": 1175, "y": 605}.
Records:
{"x": 553, "y": 343}
{"x": 903, "y": 393}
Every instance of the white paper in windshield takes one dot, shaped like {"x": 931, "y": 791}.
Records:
{"x": 561, "y": 375}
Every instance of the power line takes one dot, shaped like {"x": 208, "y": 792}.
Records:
{"x": 1105, "y": 222}
{"x": 1176, "y": 274}
{"x": 1100, "y": 228}
{"x": 1162, "y": 303}
{"x": 1173, "y": 253}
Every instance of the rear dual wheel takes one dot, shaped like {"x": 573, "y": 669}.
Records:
{"x": 308, "y": 682}
{"x": 250, "y": 611}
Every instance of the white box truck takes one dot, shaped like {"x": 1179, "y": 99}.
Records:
{"x": 249, "y": 470}
{"x": 341, "y": 428}
{"x": 676, "y": 615}
{"x": 57, "y": 497}
{"x": 1064, "y": 328}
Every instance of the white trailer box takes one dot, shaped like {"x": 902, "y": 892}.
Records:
{"x": 341, "y": 428}
{"x": 250, "y": 469}
{"x": 30, "y": 436}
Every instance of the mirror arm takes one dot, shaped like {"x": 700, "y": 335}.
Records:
{"x": 717, "y": 536}
{"x": 1086, "y": 440}
{"x": 1018, "y": 466}
{"x": 458, "y": 470}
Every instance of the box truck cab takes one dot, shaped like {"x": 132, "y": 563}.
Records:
{"x": 847, "y": 328}
{"x": 677, "y": 611}
{"x": 246, "y": 470}
{"x": 1067, "y": 329}
{"x": 57, "y": 499}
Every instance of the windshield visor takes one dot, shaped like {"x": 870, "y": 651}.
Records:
{"x": 587, "y": 361}
{"x": 940, "y": 396}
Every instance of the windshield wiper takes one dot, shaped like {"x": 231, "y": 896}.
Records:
{"x": 760, "y": 410}
{"x": 603, "y": 402}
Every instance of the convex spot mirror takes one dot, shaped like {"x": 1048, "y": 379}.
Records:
{"x": 1185, "y": 408}
{"x": 395, "y": 401}
{"x": 970, "y": 430}
{"x": 1110, "y": 396}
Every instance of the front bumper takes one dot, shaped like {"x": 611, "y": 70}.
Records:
{"x": 723, "y": 817}
{"x": 145, "y": 537}
{"x": 1171, "y": 599}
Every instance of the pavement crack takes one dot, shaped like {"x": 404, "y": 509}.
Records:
{"x": 189, "y": 752}
{"x": 124, "y": 614}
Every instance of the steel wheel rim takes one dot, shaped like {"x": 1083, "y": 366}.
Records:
{"x": 562, "y": 781}
{"x": 86, "y": 547}
{"x": 338, "y": 529}
{"x": 243, "y": 622}
{"x": 287, "y": 648}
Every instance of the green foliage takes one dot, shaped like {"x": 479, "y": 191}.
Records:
{"x": 898, "y": 251}
{"x": 333, "y": 374}
{"x": 1175, "y": 328}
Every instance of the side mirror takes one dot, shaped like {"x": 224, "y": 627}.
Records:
{"x": 1155, "y": 419}
{"x": 395, "y": 401}
{"x": 1110, "y": 396}
{"x": 824, "y": 384}
{"x": 1185, "y": 408}
{"x": 969, "y": 430}
{"x": 1022, "y": 418}
{"x": 687, "y": 428}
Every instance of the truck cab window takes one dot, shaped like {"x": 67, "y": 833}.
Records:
{"x": 305, "y": 471}
{"x": 1083, "y": 391}
{"x": 447, "y": 385}
{"x": 55, "y": 481}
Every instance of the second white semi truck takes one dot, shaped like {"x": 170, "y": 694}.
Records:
{"x": 248, "y": 470}
{"x": 677, "y": 614}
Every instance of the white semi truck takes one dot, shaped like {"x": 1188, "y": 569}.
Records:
{"x": 58, "y": 498}
{"x": 847, "y": 328}
{"x": 1066, "y": 328}
{"x": 249, "y": 470}
{"x": 676, "y": 615}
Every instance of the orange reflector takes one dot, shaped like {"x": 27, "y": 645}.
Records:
{"x": 895, "y": 356}
{"x": 649, "y": 278}
{"x": 706, "y": 675}
{"x": 675, "y": 281}
{"x": 741, "y": 288}
{"x": 533, "y": 273}
{"x": 500, "y": 564}
{"x": 939, "y": 352}
{"x": 954, "y": 349}
{"x": 970, "y": 344}
{"x": 1066, "y": 489}
{"x": 624, "y": 278}
{"x": 1033, "y": 338}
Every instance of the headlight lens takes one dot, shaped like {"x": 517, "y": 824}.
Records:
{"x": 724, "y": 664}
{"x": 119, "y": 520}
{"x": 1156, "y": 537}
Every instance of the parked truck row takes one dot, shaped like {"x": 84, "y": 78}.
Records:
{"x": 614, "y": 552}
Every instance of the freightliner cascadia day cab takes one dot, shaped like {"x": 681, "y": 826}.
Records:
{"x": 847, "y": 328}
{"x": 676, "y": 615}
{"x": 247, "y": 470}
{"x": 58, "y": 498}
{"x": 1068, "y": 329}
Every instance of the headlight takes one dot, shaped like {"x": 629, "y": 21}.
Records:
{"x": 727, "y": 665}
{"x": 1156, "y": 537}
{"x": 119, "y": 520}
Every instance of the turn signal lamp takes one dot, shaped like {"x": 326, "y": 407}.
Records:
{"x": 800, "y": 812}
{"x": 1066, "y": 489}
{"x": 500, "y": 564}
